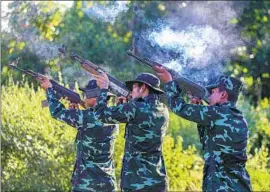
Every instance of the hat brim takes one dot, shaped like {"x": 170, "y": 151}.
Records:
{"x": 129, "y": 85}
{"x": 210, "y": 87}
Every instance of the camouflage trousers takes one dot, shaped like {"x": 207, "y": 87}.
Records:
{"x": 160, "y": 187}
{"x": 83, "y": 191}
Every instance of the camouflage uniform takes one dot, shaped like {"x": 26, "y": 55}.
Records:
{"x": 223, "y": 133}
{"x": 94, "y": 168}
{"x": 146, "y": 121}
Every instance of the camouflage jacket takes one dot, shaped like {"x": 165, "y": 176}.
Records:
{"x": 94, "y": 168}
{"x": 146, "y": 121}
{"x": 224, "y": 134}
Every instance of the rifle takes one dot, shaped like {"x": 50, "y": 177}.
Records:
{"x": 115, "y": 85}
{"x": 184, "y": 83}
{"x": 61, "y": 91}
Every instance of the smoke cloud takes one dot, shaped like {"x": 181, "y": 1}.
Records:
{"x": 44, "y": 49}
{"x": 195, "y": 39}
{"x": 198, "y": 44}
{"x": 107, "y": 12}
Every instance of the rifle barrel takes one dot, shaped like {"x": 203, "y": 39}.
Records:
{"x": 140, "y": 59}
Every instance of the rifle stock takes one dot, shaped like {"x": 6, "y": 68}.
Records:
{"x": 115, "y": 85}
{"x": 87, "y": 65}
{"x": 61, "y": 91}
{"x": 184, "y": 83}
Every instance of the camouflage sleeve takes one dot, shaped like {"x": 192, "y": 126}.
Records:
{"x": 121, "y": 113}
{"x": 72, "y": 117}
{"x": 205, "y": 115}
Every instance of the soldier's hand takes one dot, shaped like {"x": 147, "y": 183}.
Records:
{"x": 73, "y": 106}
{"x": 163, "y": 74}
{"x": 44, "y": 82}
{"x": 121, "y": 100}
{"x": 102, "y": 80}
{"x": 195, "y": 100}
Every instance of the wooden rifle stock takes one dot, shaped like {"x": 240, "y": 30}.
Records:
{"x": 115, "y": 85}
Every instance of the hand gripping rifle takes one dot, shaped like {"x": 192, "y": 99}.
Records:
{"x": 115, "y": 85}
{"x": 184, "y": 83}
{"x": 61, "y": 91}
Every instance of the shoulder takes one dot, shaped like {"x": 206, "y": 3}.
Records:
{"x": 214, "y": 112}
{"x": 216, "y": 108}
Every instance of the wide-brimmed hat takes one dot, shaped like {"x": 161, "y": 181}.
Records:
{"x": 93, "y": 90}
{"x": 148, "y": 79}
{"x": 231, "y": 84}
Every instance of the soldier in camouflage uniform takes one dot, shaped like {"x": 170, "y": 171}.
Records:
{"x": 223, "y": 132}
{"x": 94, "y": 168}
{"x": 146, "y": 120}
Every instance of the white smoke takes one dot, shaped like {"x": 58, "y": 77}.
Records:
{"x": 107, "y": 12}
{"x": 199, "y": 44}
{"x": 195, "y": 37}
{"x": 44, "y": 49}
{"x": 174, "y": 64}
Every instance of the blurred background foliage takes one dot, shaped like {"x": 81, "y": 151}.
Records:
{"x": 37, "y": 152}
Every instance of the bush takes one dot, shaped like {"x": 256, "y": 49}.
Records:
{"x": 37, "y": 151}
{"x": 184, "y": 167}
{"x": 258, "y": 119}
{"x": 258, "y": 168}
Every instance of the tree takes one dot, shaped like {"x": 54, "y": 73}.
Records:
{"x": 252, "y": 61}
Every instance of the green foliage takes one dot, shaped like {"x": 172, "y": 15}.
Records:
{"x": 184, "y": 167}
{"x": 252, "y": 60}
{"x": 187, "y": 129}
{"x": 38, "y": 152}
{"x": 258, "y": 168}
{"x": 24, "y": 24}
{"x": 119, "y": 152}
{"x": 258, "y": 119}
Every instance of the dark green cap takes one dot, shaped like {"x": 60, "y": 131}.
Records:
{"x": 92, "y": 90}
{"x": 231, "y": 84}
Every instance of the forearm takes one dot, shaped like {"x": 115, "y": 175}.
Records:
{"x": 58, "y": 111}
{"x": 56, "y": 107}
{"x": 192, "y": 112}
{"x": 175, "y": 101}
{"x": 117, "y": 114}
